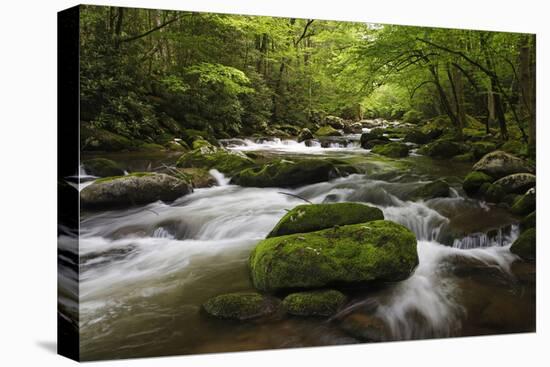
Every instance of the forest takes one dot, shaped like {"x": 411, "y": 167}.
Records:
{"x": 149, "y": 75}
{"x": 254, "y": 182}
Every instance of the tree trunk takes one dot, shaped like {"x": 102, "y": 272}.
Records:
{"x": 490, "y": 110}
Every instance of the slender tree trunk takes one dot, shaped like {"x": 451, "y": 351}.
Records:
{"x": 490, "y": 110}
{"x": 527, "y": 83}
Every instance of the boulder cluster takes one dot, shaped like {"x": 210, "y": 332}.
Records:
{"x": 314, "y": 255}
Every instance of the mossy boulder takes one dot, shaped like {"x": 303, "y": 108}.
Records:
{"x": 530, "y": 221}
{"x": 314, "y": 217}
{"x": 334, "y": 122}
{"x": 466, "y": 157}
{"x": 474, "y": 180}
{"x": 353, "y": 128}
{"x": 287, "y": 173}
{"x": 305, "y": 134}
{"x": 416, "y": 136}
{"x": 378, "y": 251}
{"x": 525, "y": 204}
{"x": 372, "y": 138}
{"x": 240, "y": 306}
{"x": 197, "y": 177}
{"x": 436, "y": 189}
{"x": 135, "y": 188}
{"x": 327, "y": 131}
{"x": 176, "y": 146}
{"x": 441, "y": 149}
{"x": 499, "y": 164}
{"x": 314, "y": 303}
{"x": 525, "y": 245}
{"x": 393, "y": 150}
{"x": 209, "y": 156}
{"x": 517, "y": 183}
{"x": 199, "y": 143}
{"x": 102, "y": 167}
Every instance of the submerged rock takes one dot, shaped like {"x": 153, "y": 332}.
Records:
{"x": 286, "y": 173}
{"x": 436, "y": 189}
{"x": 525, "y": 245}
{"x": 314, "y": 303}
{"x": 517, "y": 183}
{"x": 393, "y": 150}
{"x": 314, "y": 217}
{"x": 208, "y": 156}
{"x": 102, "y": 167}
{"x": 499, "y": 164}
{"x": 348, "y": 255}
{"x": 366, "y": 328}
{"x": 240, "y": 306}
{"x": 135, "y": 188}
{"x": 474, "y": 180}
{"x": 327, "y": 131}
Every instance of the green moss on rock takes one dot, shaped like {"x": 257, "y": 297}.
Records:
{"x": 102, "y": 167}
{"x": 286, "y": 173}
{"x": 208, "y": 157}
{"x": 517, "y": 183}
{"x": 314, "y": 217}
{"x": 358, "y": 253}
{"x": 474, "y": 180}
{"x": 314, "y": 303}
{"x": 327, "y": 131}
{"x": 480, "y": 148}
{"x": 441, "y": 149}
{"x": 525, "y": 245}
{"x": 240, "y": 306}
{"x": 393, "y": 150}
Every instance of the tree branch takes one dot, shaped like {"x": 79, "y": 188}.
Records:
{"x": 138, "y": 36}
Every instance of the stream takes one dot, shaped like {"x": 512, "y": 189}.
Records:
{"x": 145, "y": 271}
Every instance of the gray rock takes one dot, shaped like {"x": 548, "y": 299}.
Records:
{"x": 517, "y": 183}
{"x": 499, "y": 164}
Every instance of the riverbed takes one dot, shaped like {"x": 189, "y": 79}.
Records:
{"x": 146, "y": 270}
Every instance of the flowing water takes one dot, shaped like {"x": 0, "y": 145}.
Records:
{"x": 145, "y": 271}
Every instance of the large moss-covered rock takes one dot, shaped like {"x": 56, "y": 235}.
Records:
{"x": 393, "y": 150}
{"x": 209, "y": 156}
{"x": 474, "y": 180}
{"x": 327, "y": 131}
{"x": 286, "y": 173}
{"x": 436, "y": 189}
{"x": 102, "y": 167}
{"x": 314, "y": 303}
{"x": 135, "y": 188}
{"x": 353, "y": 128}
{"x": 525, "y": 204}
{"x": 240, "y": 306}
{"x": 525, "y": 245}
{"x": 498, "y": 164}
{"x": 493, "y": 193}
{"x": 348, "y": 255}
{"x": 517, "y": 183}
{"x": 197, "y": 177}
{"x": 441, "y": 149}
{"x": 314, "y": 217}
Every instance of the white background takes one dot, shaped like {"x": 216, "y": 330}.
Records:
{"x": 28, "y": 176}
